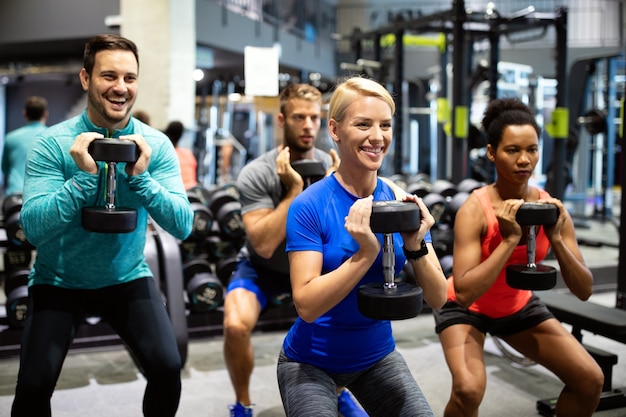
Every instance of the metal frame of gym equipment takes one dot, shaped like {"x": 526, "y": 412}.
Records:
{"x": 463, "y": 28}
{"x": 595, "y": 168}
{"x": 583, "y": 72}
{"x": 212, "y": 134}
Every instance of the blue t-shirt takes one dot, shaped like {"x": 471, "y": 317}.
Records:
{"x": 342, "y": 340}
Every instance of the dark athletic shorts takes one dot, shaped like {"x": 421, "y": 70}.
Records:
{"x": 533, "y": 313}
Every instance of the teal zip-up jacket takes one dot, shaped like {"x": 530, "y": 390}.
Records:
{"x": 56, "y": 190}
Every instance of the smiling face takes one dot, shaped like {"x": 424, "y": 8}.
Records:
{"x": 364, "y": 134}
{"x": 111, "y": 88}
{"x": 517, "y": 154}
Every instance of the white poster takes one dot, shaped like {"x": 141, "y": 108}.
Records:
{"x": 261, "y": 71}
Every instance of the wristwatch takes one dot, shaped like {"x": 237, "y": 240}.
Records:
{"x": 414, "y": 255}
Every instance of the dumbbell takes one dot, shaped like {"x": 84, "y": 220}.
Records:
{"x": 226, "y": 208}
{"x": 400, "y": 180}
{"x": 391, "y": 300}
{"x": 16, "y": 290}
{"x": 225, "y": 267}
{"x": 199, "y": 194}
{"x": 533, "y": 276}
{"x": 202, "y": 216}
{"x": 437, "y": 205}
{"x": 11, "y": 209}
{"x": 468, "y": 185}
{"x": 204, "y": 290}
{"x": 444, "y": 188}
{"x": 109, "y": 218}
{"x": 310, "y": 170}
{"x": 455, "y": 203}
{"x": 419, "y": 185}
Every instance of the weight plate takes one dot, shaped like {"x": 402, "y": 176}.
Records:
{"x": 531, "y": 213}
{"x": 103, "y": 220}
{"x": 113, "y": 150}
{"x": 377, "y": 302}
{"x": 390, "y": 216}
{"x": 523, "y": 277}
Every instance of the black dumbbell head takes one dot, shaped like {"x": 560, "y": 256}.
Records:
{"x": 390, "y": 216}
{"x": 202, "y": 221}
{"x": 403, "y": 302}
{"x": 444, "y": 188}
{"x": 104, "y": 220}
{"x": 524, "y": 277}
{"x": 534, "y": 214}
{"x": 113, "y": 150}
{"x": 310, "y": 170}
{"x": 12, "y": 203}
{"x": 204, "y": 290}
{"x": 468, "y": 185}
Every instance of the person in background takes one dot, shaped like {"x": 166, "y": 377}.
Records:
{"x": 142, "y": 116}
{"x": 78, "y": 273}
{"x": 268, "y": 185}
{"x": 186, "y": 158}
{"x": 332, "y": 252}
{"x": 487, "y": 238}
{"x": 17, "y": 142}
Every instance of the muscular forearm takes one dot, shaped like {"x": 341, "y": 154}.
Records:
{"x": 575, "y": 273}
{"x": 324, "y": 292}
{"x": 429, "y": 276}
{"x": 265, "y": 233}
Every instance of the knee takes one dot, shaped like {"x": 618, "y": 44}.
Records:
{"x": 468, "y": 394}
{"x": 235, "y": 327}
{"x": 164, "y": 372}
{"x": 590, "y": 385}
{"x": 163, "y": 365}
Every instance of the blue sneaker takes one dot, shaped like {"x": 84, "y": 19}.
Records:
{"x": 348, "y": 406}
{"x": 240, "y": 410}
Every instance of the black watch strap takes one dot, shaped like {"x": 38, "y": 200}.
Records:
{"x": 414, "y": 255}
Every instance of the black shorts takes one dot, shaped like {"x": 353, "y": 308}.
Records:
{"x": 533, "y": 313}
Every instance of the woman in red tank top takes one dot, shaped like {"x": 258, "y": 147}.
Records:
{"x": 487, "y": 238}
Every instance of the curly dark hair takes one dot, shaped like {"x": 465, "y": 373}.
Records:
{"x": 503, "y": 112}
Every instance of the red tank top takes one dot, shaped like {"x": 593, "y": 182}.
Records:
{"x": 501, "y": 300}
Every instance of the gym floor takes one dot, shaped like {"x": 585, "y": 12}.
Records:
{"x": 105, "y": 382}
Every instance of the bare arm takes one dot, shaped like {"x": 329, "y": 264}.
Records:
{"x": 265, "y": 228}
{"x": 427, "y": 269}
{"x": 575, "y": 272}
{"x": 472, "y": 278}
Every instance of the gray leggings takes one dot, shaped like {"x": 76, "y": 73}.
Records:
{"x": 385, "y": 389}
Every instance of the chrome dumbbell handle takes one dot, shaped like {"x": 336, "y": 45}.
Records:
{"x": 531, "y": 246}
{"x": 389, "y": 261}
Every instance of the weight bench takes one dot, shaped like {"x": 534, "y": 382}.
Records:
{"x": 598, "y": 319}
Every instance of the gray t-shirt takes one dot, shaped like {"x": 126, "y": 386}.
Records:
{"x": 260, "y": 188}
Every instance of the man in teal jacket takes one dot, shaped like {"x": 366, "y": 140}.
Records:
{"x": 18, "y": 141}
{"x": 79, "y": 273}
